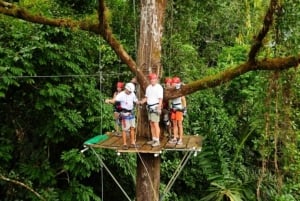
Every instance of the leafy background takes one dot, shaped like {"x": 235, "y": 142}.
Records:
{"x": 54, "y": 82}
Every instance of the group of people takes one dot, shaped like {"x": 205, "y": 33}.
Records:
{"x": 125, "y": 99}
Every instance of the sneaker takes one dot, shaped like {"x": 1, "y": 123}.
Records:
{"x": 155, "y": 144}
{"x": 172, "y": 141}
{"x": 151, "y": 142}
{"x": 179, "y": 142}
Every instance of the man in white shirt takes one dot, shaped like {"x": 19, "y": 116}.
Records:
{"x": 154, "y": 97}
{"x": 127, "y": 98}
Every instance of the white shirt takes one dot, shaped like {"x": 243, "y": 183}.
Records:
{"x": 176, "y": 103}
{"x": 126, "y": 100}
{"x": 154, "y": 93}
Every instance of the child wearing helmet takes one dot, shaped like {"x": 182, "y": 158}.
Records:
{"x": 117, "y": 107}
{"x": 127, "y": 99}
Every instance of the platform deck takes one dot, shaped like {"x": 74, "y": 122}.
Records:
{"x": 190, "y": 143}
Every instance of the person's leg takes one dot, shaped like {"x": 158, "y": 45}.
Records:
{"x": 157, "y": 130}
{"x": 125, "y": 127}
{"x": 175, "y": 128}
{"x": 152, "y": 128}
{"x": 180, "y": 130}
{"x": 116, "y": 118}
{"x": 132, "y": 137}
{"x": 156, "y": 134}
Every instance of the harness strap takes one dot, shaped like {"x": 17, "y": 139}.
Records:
{"x": 152, "y": 105}
{"x": 125, "y": 110}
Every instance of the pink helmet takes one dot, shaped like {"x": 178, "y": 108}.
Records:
{"x": 168, "y": 80}
{"x": 152, "y": 76}
{"x": 120, "y": 85}
{"x": 176, "y": 80}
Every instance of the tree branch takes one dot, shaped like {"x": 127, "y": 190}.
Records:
{"x": 21, "y": 13}
{"x": 106, "y": 33}
{"x": 102, "y": 28}
{"x": 23, "y": 185}
{"x": 268, "y": 20}
{"x": 231, "y": 73}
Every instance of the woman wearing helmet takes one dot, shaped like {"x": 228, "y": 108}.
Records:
{"x": 178, "y": 106}
{"x": 127, "y": 99}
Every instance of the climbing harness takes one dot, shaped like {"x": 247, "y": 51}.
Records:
{"x": 151, "y": 108}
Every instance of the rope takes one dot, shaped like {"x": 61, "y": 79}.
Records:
{"x": 57, "y": 76}
{"x": 109, "y": 172}
{"x": 176, "y": 173}
{"x": 101, "y": 110}
{"x": 152, "y": 186}
{"x": 135, "y": 32}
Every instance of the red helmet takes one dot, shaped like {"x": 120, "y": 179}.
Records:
{"x": 152, "y": 76}
{"x": 120, "y": 85}
{"x": 176, "y": 80}
{"x": 168, "y": 80}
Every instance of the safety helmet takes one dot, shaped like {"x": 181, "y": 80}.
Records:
{"x": 168, "y": 80}
{"x": 120, "y": 85}
{"x": 130, "y": 87}
{"x": 152, "y": 76}
{"x": 176, "y": 80}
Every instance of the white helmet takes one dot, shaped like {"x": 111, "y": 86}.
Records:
{"x": 130, "y": 87}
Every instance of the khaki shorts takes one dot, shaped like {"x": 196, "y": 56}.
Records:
{"x": 127, "y": 124}
{"x": 153, "y": 117}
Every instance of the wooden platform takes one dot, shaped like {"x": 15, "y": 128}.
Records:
{"x": 190, "y": 143}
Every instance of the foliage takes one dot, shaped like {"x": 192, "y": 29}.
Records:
{"x": 50, "y": 95}
{"x": 54, "y": 82}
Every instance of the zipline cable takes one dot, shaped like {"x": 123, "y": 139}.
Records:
{"x": 56, "y": 76}
{"x": 176, "y": 173}
{"x": 101, "y": 110}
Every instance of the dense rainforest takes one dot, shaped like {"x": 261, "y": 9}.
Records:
{"x": 54, "y": 81}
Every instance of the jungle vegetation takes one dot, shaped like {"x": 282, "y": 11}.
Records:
{"x": 54, "y": 80}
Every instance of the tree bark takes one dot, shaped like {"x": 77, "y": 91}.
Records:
{"x": 149, "y": 61}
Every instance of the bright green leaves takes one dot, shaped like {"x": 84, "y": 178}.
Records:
{"x": 56, "y": 94}
{"x": 75, "y": 163}
{"x": 70, "y": 119}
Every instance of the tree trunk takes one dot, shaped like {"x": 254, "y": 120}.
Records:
{"x": 149, "y": 60}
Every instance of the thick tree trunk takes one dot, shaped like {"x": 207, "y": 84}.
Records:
{"x": 148, "y": 178}
{"x": 149, "y": 60}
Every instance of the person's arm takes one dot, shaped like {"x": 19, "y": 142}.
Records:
{"x": 112, "y": 100}
{"x": 141, "y": 102}
{"x": 183, "y": 101}
{"x": 160, "y": 101}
